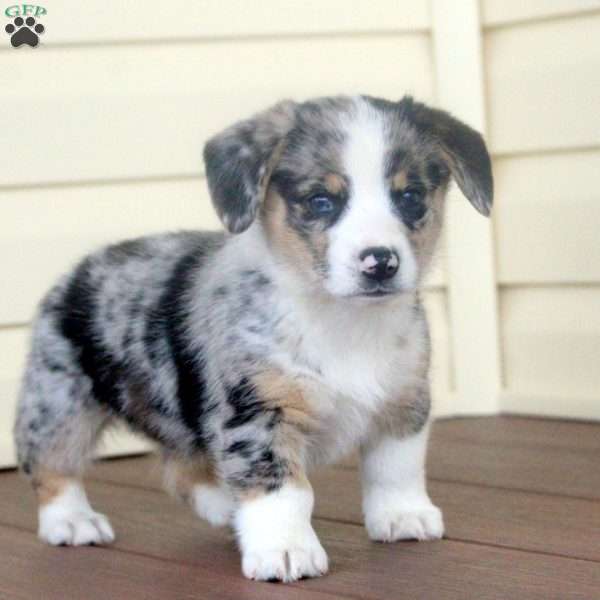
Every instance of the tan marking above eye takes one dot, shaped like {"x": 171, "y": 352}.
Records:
{"x": 334, "y": 183}
{"x": 399, "y": 181}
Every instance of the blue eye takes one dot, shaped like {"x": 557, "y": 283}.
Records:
{"x": 412, "y": 195}
{"x": 411, "y": 205}
{"x": 321, "y": 205}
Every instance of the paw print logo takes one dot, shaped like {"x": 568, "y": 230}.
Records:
{"x": 24, "y": 32}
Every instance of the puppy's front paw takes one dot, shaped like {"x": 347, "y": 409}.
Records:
{"x": 392, "y": 519}
{"x": 419, "y": 524}
{"x": 285, "y": 563}
{"x": 276, "y": 535}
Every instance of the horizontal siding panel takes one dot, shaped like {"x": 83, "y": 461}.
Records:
{"x": 551, "y": 342}
{"x": 13, "y": 349}
{"x": 542, "y": 86}
{"x": 44, "y": 231}
{"x": 546, "y": 218}
{"x": 564, "y": 407}
{"x": 140, "y": 21}
{"x": 502, "y": 12}
{"x": 144, "y": 111}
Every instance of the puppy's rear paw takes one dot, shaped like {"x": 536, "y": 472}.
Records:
{"x": 213, "y": 503}
{"x": 422, "y": 523}
{"x": 75, "y": 529}
{"x": 285, "y": 564}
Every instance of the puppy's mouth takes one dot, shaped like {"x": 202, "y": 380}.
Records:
{"x": 376, "y": 293}
{"x": 379, "y": 291}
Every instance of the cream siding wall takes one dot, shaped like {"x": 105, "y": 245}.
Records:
{"x": 103, "y": 127}
{"x": 543, "y": 93}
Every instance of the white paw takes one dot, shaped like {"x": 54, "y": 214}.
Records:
{"x": 75, "y": 529}
{"x": 406, "y": 523}
{"x": 68, "y": 519}
{"x": 213, "y": 503}
{"x": 286, "y": 562}
{"x": 276, "y": 536}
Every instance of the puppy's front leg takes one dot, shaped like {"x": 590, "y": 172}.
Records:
{"x": 264, "y": 465}
{"x": 396, "y": 505}
{"x": 276, "y": 536}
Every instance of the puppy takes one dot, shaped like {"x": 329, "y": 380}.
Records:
{"x": 252, "y": 357}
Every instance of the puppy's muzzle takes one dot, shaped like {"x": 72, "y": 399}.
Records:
{"x": 379, "y": 263}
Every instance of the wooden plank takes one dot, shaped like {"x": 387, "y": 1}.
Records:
{"x": 529, "y": 455}
{"x": 551, "y": 342}
{"x": 144, "y": 111}
{"x": 486, "y": 515}
{"x": 532, "y": 455}
{"x": 506, "y": 12}
{"x": 532, "y": 434}
{"x": 546, "y": 470}
{"x": 538, "y": 86}
{"x": 135, "y": 21}
{"x": 546, "y": 219}
{"x": 148, "y": 523}
{"x": 31, "y": 570}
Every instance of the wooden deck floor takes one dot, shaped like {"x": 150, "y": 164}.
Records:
{"x": 521, "y": 499}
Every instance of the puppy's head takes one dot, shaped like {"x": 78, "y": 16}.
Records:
{"x": 349, "y": 191}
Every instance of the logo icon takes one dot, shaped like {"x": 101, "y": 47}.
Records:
{"x": 24, "y": 30}
{"x": 26, "y": 33}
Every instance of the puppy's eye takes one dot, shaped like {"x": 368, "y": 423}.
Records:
{"x": 412, "y": 195}
{"x": 411, "y": 204}
{"x": 321, "y": 205}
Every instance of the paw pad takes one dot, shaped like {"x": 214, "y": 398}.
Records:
{"x": 24, "y": 31}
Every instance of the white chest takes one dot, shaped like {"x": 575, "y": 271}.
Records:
{"x": 349, "y": 371}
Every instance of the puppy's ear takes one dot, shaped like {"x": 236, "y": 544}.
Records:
{"x": 465, "y": 152}
{"x": 239, "y": 162}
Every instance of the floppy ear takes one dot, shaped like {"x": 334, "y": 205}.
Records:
{"x": 466, "y": 154}
{"x": 239, "y": 161}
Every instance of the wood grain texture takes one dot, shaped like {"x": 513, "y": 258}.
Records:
{"x": 510, "y": 518}
{"x": 502, "y": 543}
{"x": 159, "y": 544}
{"x": 33, "y": 571}
{"x": 544, "y": 456}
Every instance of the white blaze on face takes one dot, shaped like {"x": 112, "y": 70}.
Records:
{"x": 368, "y": 220}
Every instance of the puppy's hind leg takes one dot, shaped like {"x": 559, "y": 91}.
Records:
{"x": 65, "y": 515}
{"x": 194, "y": 481}
{"x": 57, "y": 425}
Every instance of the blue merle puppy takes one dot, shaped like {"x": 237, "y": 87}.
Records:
{"x": 254, "y": 355}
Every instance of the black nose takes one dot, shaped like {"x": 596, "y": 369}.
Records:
{"x": 379, "y": 263}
